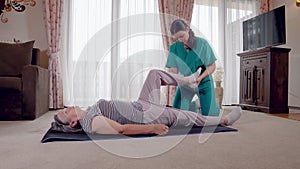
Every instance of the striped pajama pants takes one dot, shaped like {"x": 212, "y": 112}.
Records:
{"x": 154, "y": 113}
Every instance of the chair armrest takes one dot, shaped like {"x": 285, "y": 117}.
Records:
{"x": 35, "y": 82}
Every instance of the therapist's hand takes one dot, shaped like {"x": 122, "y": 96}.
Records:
{"x": 198, "y": 80}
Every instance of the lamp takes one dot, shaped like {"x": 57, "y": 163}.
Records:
{"x": 298, "y": 3}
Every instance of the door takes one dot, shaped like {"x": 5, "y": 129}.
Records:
{"x": 259, "y": 81}
{"x": 247, "y": 85}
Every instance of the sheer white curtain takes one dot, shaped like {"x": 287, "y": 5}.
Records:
{"x": 110, "y": 45}
{"x": 220, "y": 22}
{"x": 236, "y": 12}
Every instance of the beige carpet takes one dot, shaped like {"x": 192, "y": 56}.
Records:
{"x": 263, "y": 142}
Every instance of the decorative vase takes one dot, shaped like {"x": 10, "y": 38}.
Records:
{"x": 219, "y": 93}
{"x": 218, "y": 75}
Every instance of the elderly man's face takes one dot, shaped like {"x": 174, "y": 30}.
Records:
{"x": 67, "y": 115}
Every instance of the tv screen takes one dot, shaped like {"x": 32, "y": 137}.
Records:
{"x": 265, "y": 30}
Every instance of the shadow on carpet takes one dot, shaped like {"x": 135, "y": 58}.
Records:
{"x": 52, "y": 135}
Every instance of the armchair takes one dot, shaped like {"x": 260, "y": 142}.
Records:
{"x": 24, "y": 85}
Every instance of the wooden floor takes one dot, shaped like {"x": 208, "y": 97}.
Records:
{"x": 294, "y": 115}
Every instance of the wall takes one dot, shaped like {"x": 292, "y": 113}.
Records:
{"x": 27, "y": 25}
{"x": 293, "y": 41}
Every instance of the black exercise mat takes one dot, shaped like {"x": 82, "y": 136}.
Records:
{"x": 52, "y": 135}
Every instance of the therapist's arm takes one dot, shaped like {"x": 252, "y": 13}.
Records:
{"x": 103, "y": 125}
{"x": 209, "y": 70}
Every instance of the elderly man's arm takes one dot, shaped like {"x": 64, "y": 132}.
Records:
{"x": 103, "y": 125}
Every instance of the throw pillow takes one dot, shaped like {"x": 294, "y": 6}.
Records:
{"x": 14, "y": 56}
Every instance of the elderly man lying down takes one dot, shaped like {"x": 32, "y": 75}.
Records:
{"x": 144, "y": 116}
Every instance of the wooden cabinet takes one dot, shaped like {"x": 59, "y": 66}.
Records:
{"x": 264, "y": 80}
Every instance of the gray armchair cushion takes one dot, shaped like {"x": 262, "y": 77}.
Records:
{"x": 14, "y": 56}
{"x": 14, "y": 83}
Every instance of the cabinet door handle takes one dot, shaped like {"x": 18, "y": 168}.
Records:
{"x": 260, "y": 61}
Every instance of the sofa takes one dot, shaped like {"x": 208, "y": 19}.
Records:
{"x": 24, "y": 85}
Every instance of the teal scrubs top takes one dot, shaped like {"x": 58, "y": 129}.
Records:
{"x": 188, "y": 63}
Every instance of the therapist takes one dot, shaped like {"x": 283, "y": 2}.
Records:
{"x": 187, "y": 56}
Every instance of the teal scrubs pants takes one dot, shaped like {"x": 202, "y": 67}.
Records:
{"x": 206, "y": 95}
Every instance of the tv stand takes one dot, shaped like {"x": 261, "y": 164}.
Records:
{"x": 264, "y": 80}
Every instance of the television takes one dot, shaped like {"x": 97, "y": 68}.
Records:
{"x": 265, "y": 30}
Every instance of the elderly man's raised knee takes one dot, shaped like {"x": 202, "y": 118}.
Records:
{"x": 154, "y": 72}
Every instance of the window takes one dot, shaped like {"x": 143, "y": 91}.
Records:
{"x": 220, "y": 23}
{"x": 111, "y": 46}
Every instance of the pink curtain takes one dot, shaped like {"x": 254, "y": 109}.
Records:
{"x": 169, "y": 11}
{"x": 265, "y": 6}
{"x": 53, "y": 10}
